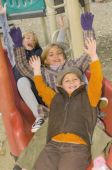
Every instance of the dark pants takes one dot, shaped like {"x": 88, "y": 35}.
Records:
{"x": 63, "y": 156}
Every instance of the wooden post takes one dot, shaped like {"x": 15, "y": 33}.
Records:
{"x": 73, "y": 13}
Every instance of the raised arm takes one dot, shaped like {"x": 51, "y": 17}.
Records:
{"x": 7, "y": 39}
{"x": 44, "y": 91}
{"x": 95, "y": 83}
{"x": 87, "y": 25}
{"x": 84, "y": 60}
{"x": 19, "y": 53}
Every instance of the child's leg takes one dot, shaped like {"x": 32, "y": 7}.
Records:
{"x": 74, "y": 157}
{"x": 30, "y": 154}
{"x": 49, "y": 157}
{"x": 25, "y": 89}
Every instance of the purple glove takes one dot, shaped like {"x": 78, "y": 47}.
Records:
{"x": 87, "y": 21}
{"x": 16, "y": 36}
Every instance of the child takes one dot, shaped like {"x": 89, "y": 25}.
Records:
{"x": 54, "y": 60}
{"x": 30, "y": 95}
{"x": 29, "y": 42}
{"x": 72, "y": 114}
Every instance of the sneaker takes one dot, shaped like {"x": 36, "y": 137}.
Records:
{"x": 103, "y": 103}
{"x": 37, "y": 124}
{"x": 100, "y": 164}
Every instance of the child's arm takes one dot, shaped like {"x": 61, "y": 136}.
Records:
{"x": 2, "y": 9}
{"x": 19, "y": 53}
{"x": 88, "y": 32}
{"x": 44, "y": 91}
{"x": 22, "y": 63}
{"x": 95, "y": 82}
{"x": 62, "y": 31}
{"x": 87, "y": 25}
{"x": 7, "y": 39}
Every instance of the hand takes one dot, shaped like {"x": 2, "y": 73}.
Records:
{"x": 35, "y": 63}
{"x": 61, "y": 21}
{"x": 91, "y": 48}
{"x": 16, "y": 36}
{"x": 87, "y": 21}
{"x": 2, "y": 9}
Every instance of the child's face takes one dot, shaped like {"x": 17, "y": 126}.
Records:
{"x": 55, "y": 57}
{"x": 28, "y": 42}
{"x": 70, "y": 83}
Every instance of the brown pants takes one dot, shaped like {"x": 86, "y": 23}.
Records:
{"x": 63, "y": 156}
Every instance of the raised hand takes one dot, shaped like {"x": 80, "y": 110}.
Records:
{"x": 87, "y": 21}
{"x": 2, "y": 9}
{"x": 35, "y": 63}
{"x": 61, "y": 21}
{"x": 16, "y": 36}
{"x": 90, "y": 48}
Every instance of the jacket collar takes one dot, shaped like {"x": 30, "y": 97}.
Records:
{"x": 75, "y": 92}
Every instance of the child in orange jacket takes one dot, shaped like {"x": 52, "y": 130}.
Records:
{"x": 72, "y": 115}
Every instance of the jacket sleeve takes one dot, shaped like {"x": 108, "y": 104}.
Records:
{"x": 95, "y": 83}
{"x": 44, "y": 91}
{"x": 22, "y": 64}
{"x": 88, "y": 34}
{"x": 82, "y": 62}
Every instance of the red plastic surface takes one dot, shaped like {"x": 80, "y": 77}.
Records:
{"x": 16, "y": 115}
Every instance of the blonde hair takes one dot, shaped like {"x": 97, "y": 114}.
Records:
{"x": 34, "y": 36}
{"x": 47, "y": 49}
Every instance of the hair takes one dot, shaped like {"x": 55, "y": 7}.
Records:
{"x": 47, "y": 49}
{"x": 34, "y": 36}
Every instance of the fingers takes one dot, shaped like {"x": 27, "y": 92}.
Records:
{"x": 90, "y": 42}
{"x": 34, "y": 59}
{"x": 90, "y": 48}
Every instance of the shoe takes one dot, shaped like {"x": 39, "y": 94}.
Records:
{"x": 100, "y": 164}
{"x": 37, "y": 124}
{"x": 103, "y": 103}
{"x": 17, "y": 167}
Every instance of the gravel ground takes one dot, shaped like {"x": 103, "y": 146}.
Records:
{"x": 103, "y": 29}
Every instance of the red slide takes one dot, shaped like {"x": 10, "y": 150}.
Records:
{"x": 107, "y": 92}
{"x": 16, "y": 115}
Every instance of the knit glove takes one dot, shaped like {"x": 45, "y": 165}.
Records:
{"x": 16, "y": 36}
{"x": 87, "y": 21}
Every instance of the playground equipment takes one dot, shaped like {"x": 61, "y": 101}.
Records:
{"x": 17, "y": 9}
{"x": 16, "y": 115}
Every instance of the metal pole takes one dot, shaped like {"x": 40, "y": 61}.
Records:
{"x": 73, "y": 13}
{"x": 51, "y": 15}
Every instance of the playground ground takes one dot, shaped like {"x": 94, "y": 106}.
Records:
{"x": 103, "y": 29}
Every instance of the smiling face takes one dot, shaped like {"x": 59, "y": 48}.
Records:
{"x": 70, "y": 83}
{"x": 55, "y": 57}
